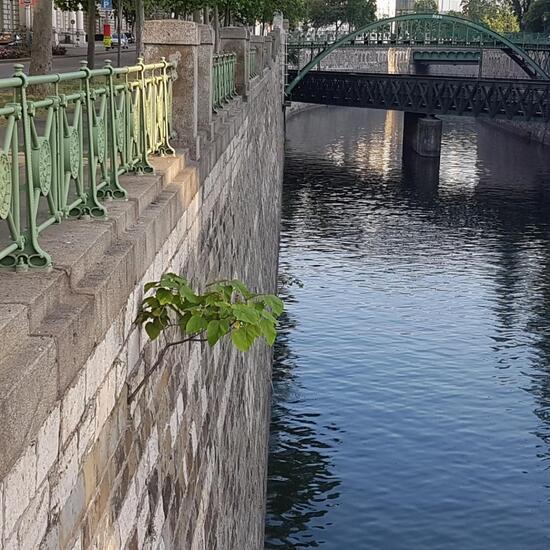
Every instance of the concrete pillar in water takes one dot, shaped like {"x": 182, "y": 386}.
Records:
{"x": 237, "y": 40}
{"x": 422, "y": 134}
{"x": 178, "y": 42}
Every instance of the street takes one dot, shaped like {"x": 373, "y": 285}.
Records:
{"x": 71, "y": 60}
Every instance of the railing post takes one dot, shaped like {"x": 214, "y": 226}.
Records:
{"x": 236, "y": 40}
{"x": 178, "y": 41}
{"x": 205, "y": 79}
{"x": 257, "y": 43}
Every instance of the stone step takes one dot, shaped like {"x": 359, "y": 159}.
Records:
{"x": 28, "y": 392}
{"x": 14, "y": 322}
{"x": 83, "y": 316}
{"x": 77, "y": 244}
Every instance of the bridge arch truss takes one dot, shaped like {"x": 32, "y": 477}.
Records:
{"x": 421, "y": 29}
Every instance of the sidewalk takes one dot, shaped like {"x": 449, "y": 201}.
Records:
{"x": 80, "y": 52}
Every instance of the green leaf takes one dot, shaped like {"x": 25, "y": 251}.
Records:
{"x": 151, "y": 301}
{"x": 171, "y": 280}
{"x": 241, "y": 288}
{"x": 246, "y": 313}
{"x": 242, "y": 339}
{"x": 186, "y": 293}
{"x": 268, "y": 316}
{"x": 153, "y": 329}
{"x": 196, "y": 324}
{"x": 149, "y": 286}
{"x": 182, "y": 322}
{"x": 268, "y": 331}
{"x": 214, "y": 332}
{"x": 276, "y": 304}
{"x": 164, "y": 296}
{"x": 224, "y": 326}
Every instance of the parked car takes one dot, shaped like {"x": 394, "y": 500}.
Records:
{"x": 114, "y": 42}
{"x": 131, "y": 38}
{"x": 5, "y": 38}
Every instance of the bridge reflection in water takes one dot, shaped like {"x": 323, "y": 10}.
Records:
{"x": 412, "y": 378}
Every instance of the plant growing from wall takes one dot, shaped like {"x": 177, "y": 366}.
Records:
{"x": 226, "y": 308}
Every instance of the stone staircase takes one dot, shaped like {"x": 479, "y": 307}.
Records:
{"x": 57, "y": 317}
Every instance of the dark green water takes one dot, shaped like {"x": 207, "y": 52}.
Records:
{"x": 412, "y": 375}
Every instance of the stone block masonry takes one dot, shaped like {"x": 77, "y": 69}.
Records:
{"x": 183, "y": 464}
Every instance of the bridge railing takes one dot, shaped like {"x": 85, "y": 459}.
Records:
{"x": 62, "y": 151}
{"x": 224, "y": 79}
{"x": 435, "y": 37}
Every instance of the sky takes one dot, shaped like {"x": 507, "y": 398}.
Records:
{"x": 386, "y": 8}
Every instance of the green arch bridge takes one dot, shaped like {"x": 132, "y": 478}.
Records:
{"x": 527, "y": 99}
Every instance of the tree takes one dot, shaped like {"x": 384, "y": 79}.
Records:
{"x": 426, "y": 6}
{"x": 355, "y": 13}
{"x": 90, "y": 7}
{"x": 520, "y": 9}
{"x": 140, "y": 20}
{"x": 226, "y": 308}
{"x": 41, "y": 49}
{"x": 360, "y": 13}
{"x": 502, "y": 20}
{"x": 494, "y": 14}
{"x": 537, "y": 18}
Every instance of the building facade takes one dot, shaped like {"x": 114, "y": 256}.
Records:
{"x": 69, "y": 27}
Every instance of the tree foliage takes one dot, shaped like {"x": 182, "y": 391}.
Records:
{"x": 227, "y": 307}
{"x": 496, "y": 15}
{"x": 355, "y": 13}
{"x": 426, "y": 6}
{"x": 537, "y": 18}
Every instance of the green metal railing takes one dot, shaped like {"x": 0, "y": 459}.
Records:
{"x": 253, "y": 63}
{"x": 527, "y": 39}
{"x": 62, "y": 154}
{"x": 224, "y": 75}
{"x": 444, "y": 35}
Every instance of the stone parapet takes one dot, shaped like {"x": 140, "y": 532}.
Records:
{"x": 236, "y": 40}
{"x": 257, "y": 43}
{"x": 178, "y": 42}
{"x": 204, "y": 80}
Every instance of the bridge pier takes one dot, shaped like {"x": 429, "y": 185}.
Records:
{"x": 422, "y": 134}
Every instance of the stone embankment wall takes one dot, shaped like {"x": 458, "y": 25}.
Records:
{"x": 369, "y": 60}
{"x": 182, "y": 465}
{"x": 396, "y": 60}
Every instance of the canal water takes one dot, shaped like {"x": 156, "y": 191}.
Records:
{"x": 411, "y": 406}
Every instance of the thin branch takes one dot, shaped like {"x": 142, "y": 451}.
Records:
{"x": 169, "y": 345}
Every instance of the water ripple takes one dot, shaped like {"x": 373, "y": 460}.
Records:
{"x": 411, "y": 404}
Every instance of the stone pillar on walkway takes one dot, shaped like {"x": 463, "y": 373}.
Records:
{"x": 237, "y": 40}
{"x": 205, "y": 55}
{"x": 268, "y": 50}
{"x": 422, "y": 134}
{"x": 178, "y": 42}
{"x": 276, "y": 42}
{"x": 257, "y": 43}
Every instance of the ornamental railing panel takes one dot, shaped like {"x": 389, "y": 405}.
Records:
{"x": 224, "y": 73}
{"x": 62, "y": 152}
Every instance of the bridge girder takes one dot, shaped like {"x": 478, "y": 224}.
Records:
{"x": 493, "y": 98}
